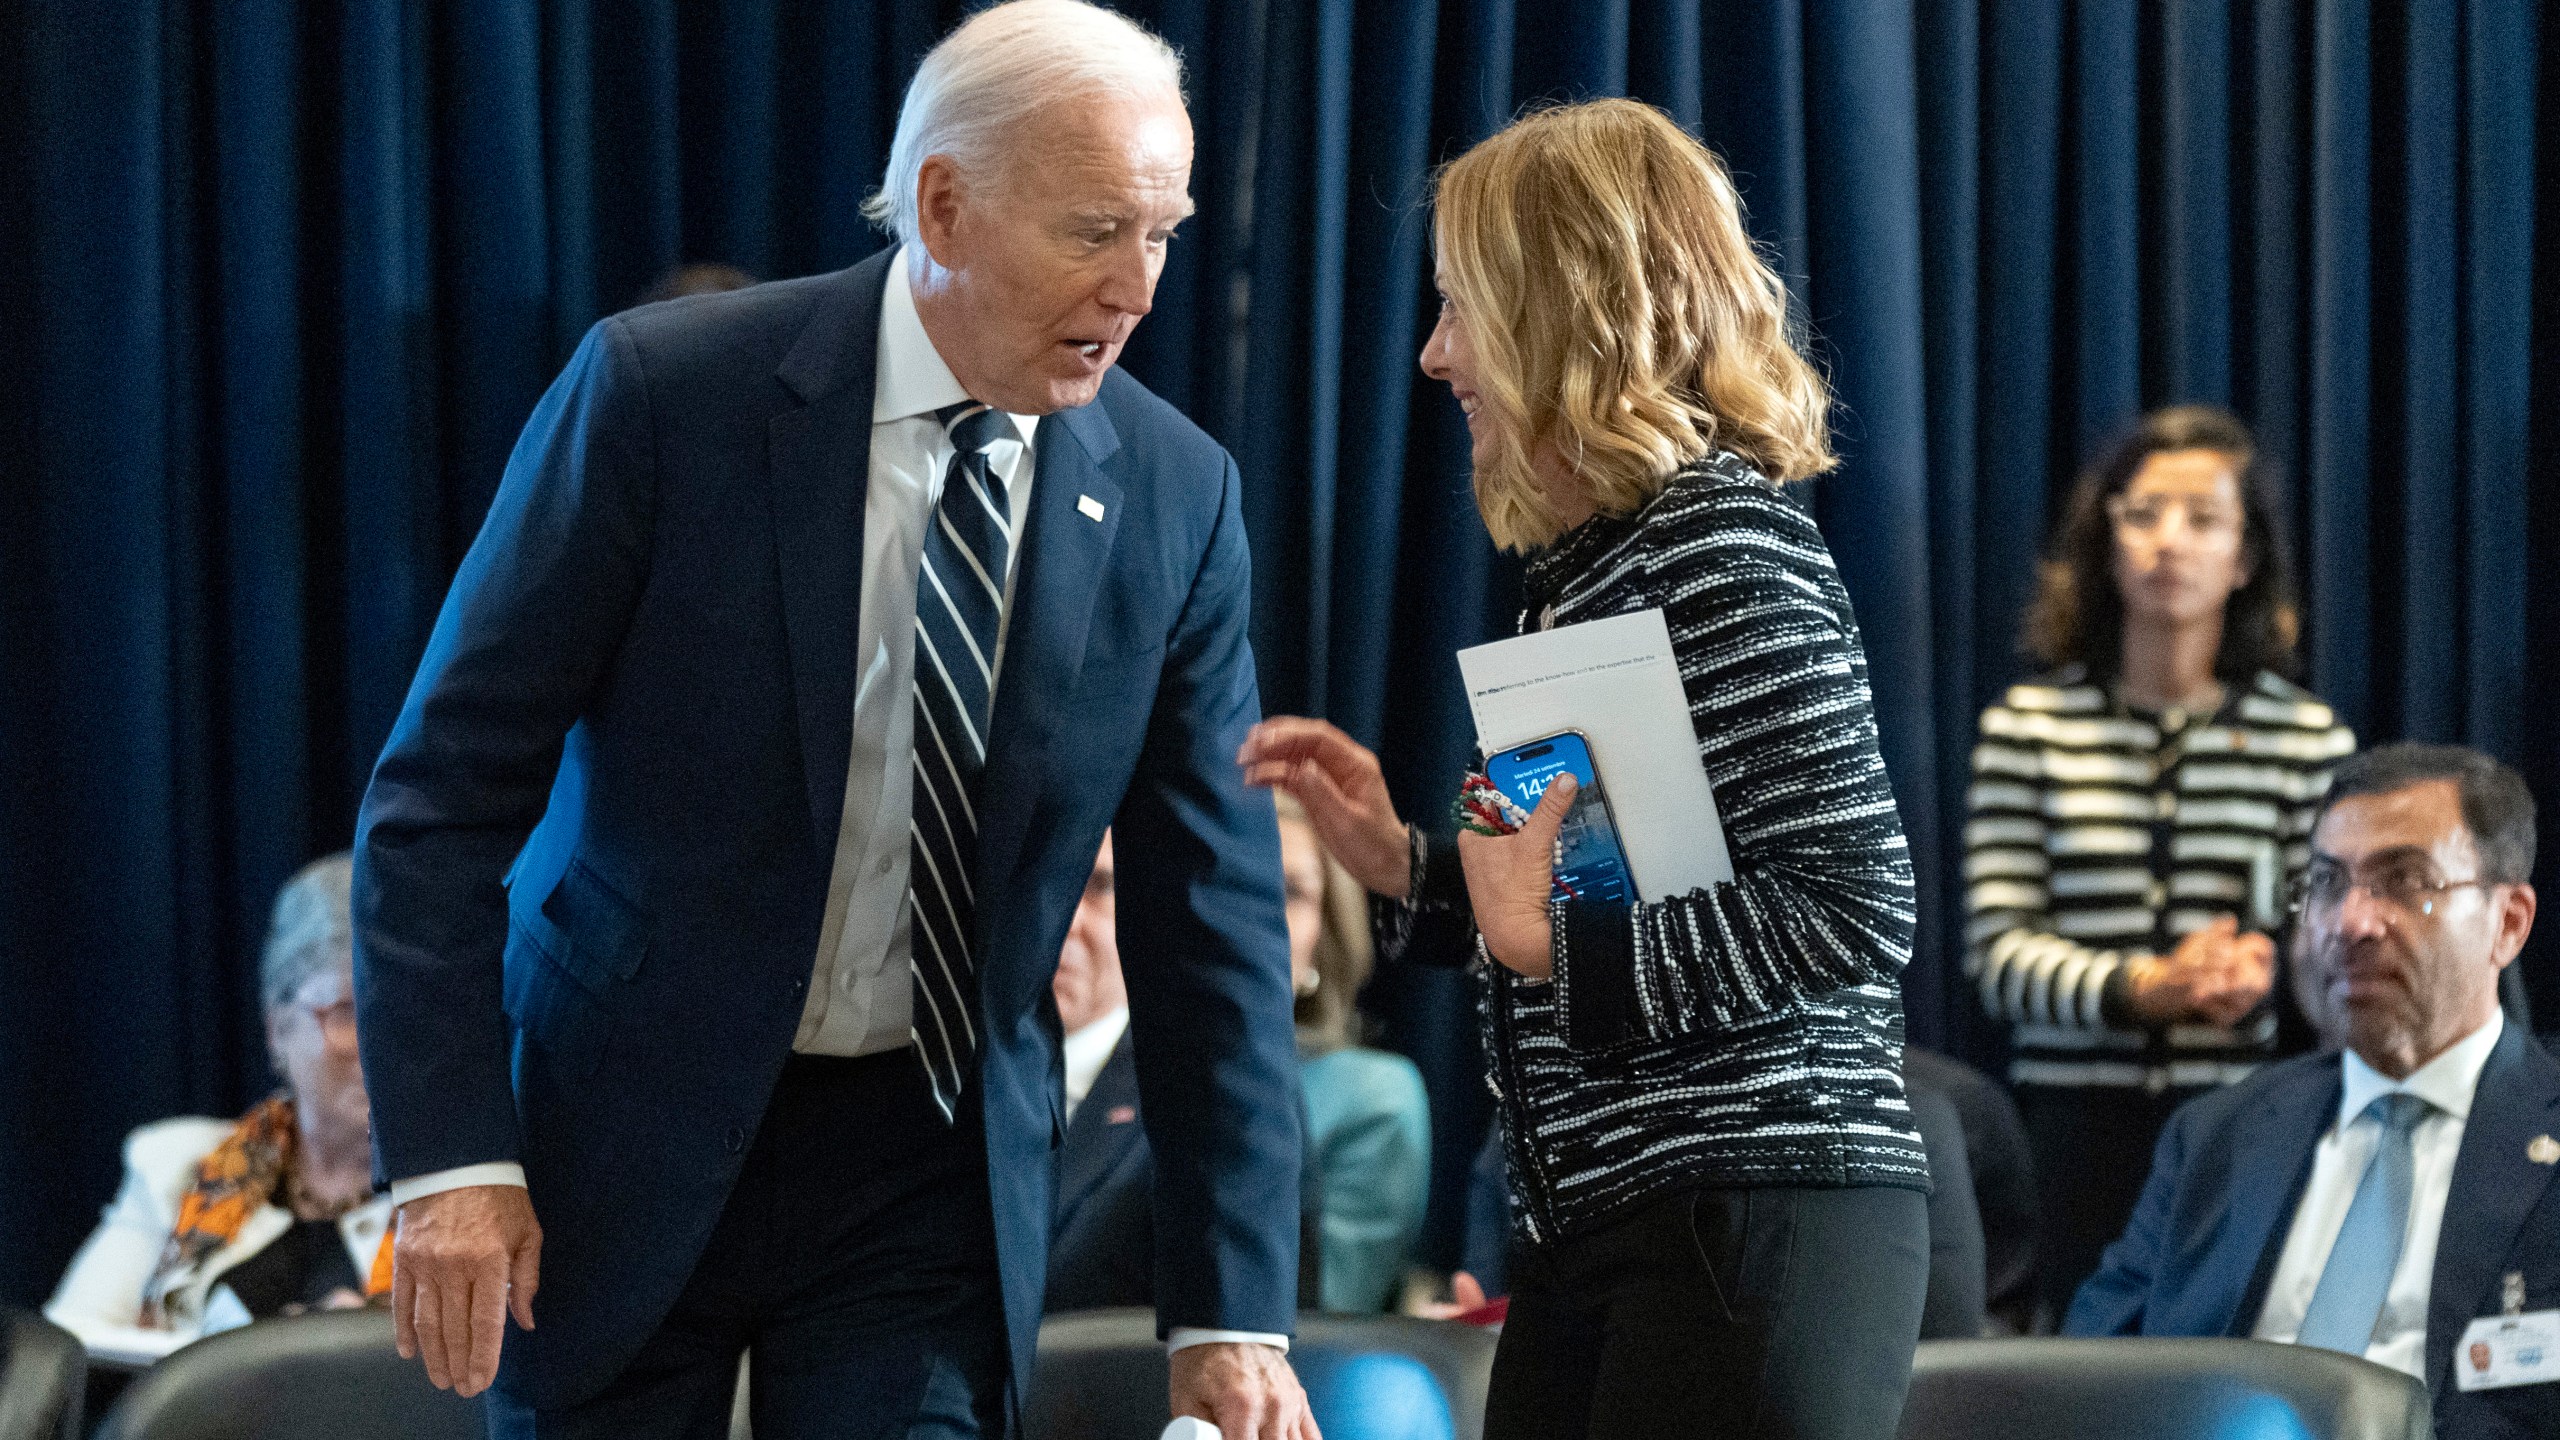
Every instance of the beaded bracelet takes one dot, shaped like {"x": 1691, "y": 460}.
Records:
{"x": 1484, "y": 809}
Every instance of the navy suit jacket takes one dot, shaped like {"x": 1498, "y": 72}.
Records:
{"x": 592, "y": 864}
{"x": 2201, "y": 1249}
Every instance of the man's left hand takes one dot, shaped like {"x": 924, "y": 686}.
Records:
{"x": 1247, "y": 1390}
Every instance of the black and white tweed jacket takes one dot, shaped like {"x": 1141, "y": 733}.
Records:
{"x": 1752, "y": 1035}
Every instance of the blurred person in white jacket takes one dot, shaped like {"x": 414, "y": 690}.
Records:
{"x": 220, "y": 1222}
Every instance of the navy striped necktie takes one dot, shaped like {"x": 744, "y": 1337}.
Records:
{"x": 959, "y": 608}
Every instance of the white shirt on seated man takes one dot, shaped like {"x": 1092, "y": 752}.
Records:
{"x": 1092, "y": 995}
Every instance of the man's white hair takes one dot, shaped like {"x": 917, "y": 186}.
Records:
{"x": 1005, "y": 65}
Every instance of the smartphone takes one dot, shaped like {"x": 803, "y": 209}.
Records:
{"x": 1590, "y": 864}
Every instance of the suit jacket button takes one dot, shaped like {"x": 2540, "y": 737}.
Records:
{"x": 737, "y": 1138}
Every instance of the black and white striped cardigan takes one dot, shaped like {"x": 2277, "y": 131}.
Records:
{"x": 2100, "y": 832}
{"x": 1752, "y": 1035}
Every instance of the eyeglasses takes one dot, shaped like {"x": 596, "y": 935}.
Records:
{"x": 2410, "y": 889}
{"x": 337, "y": 1020}
{"x": 2148, "y": 515}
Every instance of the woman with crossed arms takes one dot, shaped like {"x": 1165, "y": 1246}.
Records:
{"x": 1721, "y": 1223}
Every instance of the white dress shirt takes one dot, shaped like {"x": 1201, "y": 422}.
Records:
{"x": 860, "y": 989}
{"x": 1088, "y": 1048}
{"x": 2338, "y": 1164}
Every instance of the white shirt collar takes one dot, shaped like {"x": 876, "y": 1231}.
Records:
{"x": 2446, "y": 1082}
{"x": 912, "y": 378}
{"x": 1088, "y": 1049}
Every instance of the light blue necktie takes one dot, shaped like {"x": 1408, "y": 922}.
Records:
{"x": 2348, "y": 1303}
{"x": 959, "y": 609}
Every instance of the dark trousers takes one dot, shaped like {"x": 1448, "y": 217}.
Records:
{"x": 1772, "y": 1312}
{"x": 856, "y": 1256}
{"x": 2092, "y": 1147}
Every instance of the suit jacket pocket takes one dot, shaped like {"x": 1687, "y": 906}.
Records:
{"x": 555, "y": 1008}
{"x": 603, "y": 935}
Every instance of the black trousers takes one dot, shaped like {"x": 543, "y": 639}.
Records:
{"x": 2092, "y": 1146}
{"x": 856, "y": 1256}
{"x": 1773, "y": 1312}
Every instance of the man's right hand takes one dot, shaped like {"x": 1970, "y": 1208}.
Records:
{"x": 463, "y": 1261}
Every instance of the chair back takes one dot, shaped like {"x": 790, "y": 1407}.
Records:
{"x": 1102, "y": 1375}
{"x": 312, "y": 1377}
{"x": 43, "y": 1376}
{"x": 2157, "y": 1389}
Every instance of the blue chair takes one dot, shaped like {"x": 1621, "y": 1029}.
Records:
{"x": 2127, "y": 1389}
{"x": 1374, "y": 1395}
{"x": 1102, "y": 1375}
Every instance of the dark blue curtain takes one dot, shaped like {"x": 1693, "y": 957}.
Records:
{"x": 284, "y": 279}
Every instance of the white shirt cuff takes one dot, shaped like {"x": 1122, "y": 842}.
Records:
{"x": 418, "y": 1187}
{"x": 1183, "y": 1337}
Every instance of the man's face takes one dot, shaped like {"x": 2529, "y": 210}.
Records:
{"x": 1088, "y": 984}
{"x": 2391, "y": 966}
{"x": 1041, "y": 271}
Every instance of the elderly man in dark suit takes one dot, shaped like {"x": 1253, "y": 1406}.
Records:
{"x": 2393, "y": 1199}
{"x": 1102, "y": 1237}
{"x": 711, "y": 883}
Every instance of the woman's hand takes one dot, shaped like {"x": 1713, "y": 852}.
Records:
{"x": 2216, "y": 976}
{"x": 1338, "y": 780}
{"x": 1509, "y": 880}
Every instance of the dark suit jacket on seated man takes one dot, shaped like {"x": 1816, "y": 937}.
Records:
{"x": 794, "y": 762}
{"x": 2392, "y": 1200}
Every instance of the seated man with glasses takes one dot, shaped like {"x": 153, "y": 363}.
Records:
{"x": 220, "y": 1222}
{"x": 2393, "y": 1200}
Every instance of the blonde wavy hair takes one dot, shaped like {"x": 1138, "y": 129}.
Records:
{"x": 1329, "y": 1015}
{"x": 1617, "y": 308}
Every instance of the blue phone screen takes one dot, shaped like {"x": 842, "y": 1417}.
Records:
{"x": 1591, "y": 866}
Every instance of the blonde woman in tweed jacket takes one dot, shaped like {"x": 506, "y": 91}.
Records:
{"x": 1721, "y": 1222}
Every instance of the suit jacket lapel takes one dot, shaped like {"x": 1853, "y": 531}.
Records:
{"x": 2494, "y": 1187}
{"x": 1094, "y": 1144}
{"x": 820, "y": 456}
{"x": 1066, "y": 549}
{"x": 2285, "y": 1127}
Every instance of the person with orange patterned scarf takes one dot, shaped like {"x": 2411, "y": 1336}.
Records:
{"x": 221, "y": 1222}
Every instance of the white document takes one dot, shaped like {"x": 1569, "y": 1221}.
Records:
{"x": 1616, "y": 681}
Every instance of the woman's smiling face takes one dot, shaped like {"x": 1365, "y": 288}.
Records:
{"x": 1450, "y": 358}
